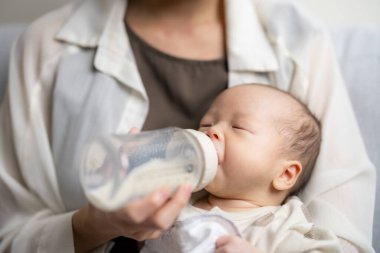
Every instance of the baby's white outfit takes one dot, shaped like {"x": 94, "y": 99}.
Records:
{"x": 283, "y": 229}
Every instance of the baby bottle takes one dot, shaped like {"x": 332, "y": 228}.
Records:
{"x": 119, "y": 168}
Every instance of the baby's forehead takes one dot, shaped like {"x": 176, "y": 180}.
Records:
{"x": 257, "y": 95}
{"x": 259, "y": 98}
{"x": 253, "y": 90}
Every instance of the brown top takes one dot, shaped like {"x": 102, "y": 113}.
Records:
{"x": 179, "y": 90}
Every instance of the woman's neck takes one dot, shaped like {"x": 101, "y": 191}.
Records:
{"x": 190, "y": 29}
{"x": 177, "y": 12}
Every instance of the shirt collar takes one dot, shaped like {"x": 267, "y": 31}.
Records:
{"x": 100, "y": 24}
{"x": 86, "y": 24}
{"x": 248, "y": 48}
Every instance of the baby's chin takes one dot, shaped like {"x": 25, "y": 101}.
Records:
{"x": 215, "y": 191}
{"x": 209, "y": 188}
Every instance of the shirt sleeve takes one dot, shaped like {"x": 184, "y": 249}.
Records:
{"x": 316, "y": 240}
{"x": 341, "y": 192}
{"x": 32, "y": 216}
{"x": 288, "y": 230}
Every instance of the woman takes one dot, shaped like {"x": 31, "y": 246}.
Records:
{"x": 105, "y": 66}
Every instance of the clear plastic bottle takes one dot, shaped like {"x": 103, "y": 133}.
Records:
{"x": 119, "y": 168}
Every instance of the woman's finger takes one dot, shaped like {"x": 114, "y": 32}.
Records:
{"x": 134, "y": 130}
{"x": 223, "y": 240}
{"x": 141, "y": 209}
{"x": 166, "y": 216}
{"x": 154, "y": 235}
{"x": 146, "y": 235}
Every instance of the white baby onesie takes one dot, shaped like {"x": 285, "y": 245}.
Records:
{"x": 271, "y": 229}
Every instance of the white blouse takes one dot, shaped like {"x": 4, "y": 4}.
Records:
{"x": 73, "y": 76}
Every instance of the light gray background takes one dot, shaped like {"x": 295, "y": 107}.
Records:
{"x": 24, "y": 11}
{"x": 333, "y": 12}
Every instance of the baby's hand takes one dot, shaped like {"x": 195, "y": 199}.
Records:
{"x": 233, "y": 244}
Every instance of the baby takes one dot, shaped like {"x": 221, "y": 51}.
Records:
{"x": 267, "y": 144}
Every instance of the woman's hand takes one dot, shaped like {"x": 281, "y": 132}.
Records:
{"x": 232, "y": 244}
{"x": 142, "y": 219}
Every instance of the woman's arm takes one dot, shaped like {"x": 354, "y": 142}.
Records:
{"x": 141, "y": 220}
{"x": 31, "y": 217}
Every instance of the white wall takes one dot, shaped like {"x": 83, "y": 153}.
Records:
{"x": 24, "y": 11}
{"x": 333, "y": 12}
{"x": 345, "y": 12}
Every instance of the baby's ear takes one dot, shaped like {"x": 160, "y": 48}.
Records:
{"x": 289, "y": 173}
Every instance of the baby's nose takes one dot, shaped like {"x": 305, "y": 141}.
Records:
{"x": 214, "y": 135}
{"x": 217, "y": 138}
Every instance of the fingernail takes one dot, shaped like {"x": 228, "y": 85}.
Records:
{"x": 186, "y": 190}
{"x": 161, "y": 196}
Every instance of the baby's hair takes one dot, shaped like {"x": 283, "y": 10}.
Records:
{"x": 303, "y": 136}
{"x": 302, "y": 133}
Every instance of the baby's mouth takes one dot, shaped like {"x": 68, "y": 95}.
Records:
{"x": 218, "y": 153}
{"x": 219, "y": 158}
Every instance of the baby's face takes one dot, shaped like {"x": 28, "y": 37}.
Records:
{"x": 242, "y": 125}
